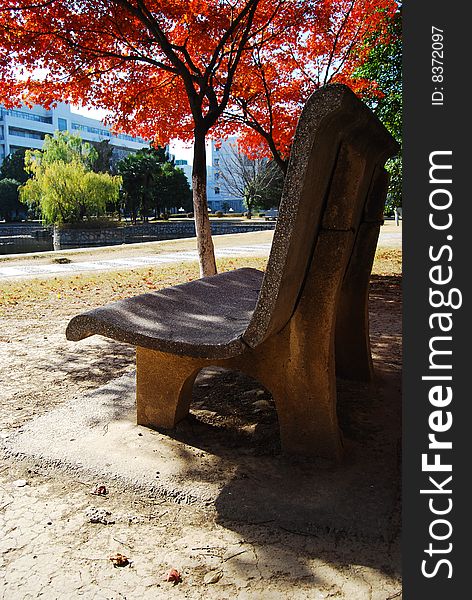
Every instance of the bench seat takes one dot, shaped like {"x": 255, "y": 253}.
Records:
{"x": 205, "y": 318}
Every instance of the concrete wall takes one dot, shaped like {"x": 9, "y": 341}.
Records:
{"x": 75, "y": 238}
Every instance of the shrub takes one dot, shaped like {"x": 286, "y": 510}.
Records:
{"x": 219, "y": 213}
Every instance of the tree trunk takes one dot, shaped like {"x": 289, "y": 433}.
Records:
{"x": 206, "y": 254}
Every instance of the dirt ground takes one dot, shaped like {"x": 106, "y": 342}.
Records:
{"x": 51, "y": 549}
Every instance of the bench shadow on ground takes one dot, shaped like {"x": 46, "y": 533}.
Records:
{"x": 97, "y": 362}
{"x": 234, "y": 417}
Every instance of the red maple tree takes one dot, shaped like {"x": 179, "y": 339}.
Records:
{"x": 163, "y": 68}
{"x": 326, "y": 46}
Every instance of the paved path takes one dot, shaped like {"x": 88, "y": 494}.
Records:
{"x": 130, "y": 263}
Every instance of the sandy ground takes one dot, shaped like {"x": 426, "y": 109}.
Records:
{"x": 50, "y": 548}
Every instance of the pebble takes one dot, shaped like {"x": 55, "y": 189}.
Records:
{"x": 261, "y": 404}
{"x": 20, "y": 483}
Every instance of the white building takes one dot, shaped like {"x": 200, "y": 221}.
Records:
{"x": 26, "y": 128}
{"x": 219, "y": 153}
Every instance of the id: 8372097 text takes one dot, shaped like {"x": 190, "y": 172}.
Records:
{"x": 437, "y": 66}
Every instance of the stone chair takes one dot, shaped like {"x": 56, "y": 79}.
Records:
{"x": 294, "y": 326}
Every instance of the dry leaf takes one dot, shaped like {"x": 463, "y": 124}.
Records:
{"x": 212, "y": 577}
{"x": 174, "y": 576}
{"x": 100, "y": 490}
{"x": 119, "y": 560}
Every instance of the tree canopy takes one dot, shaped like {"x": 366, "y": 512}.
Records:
{"x": 328, "y": 45}
{"x": 383, "y": 71}
{"x": 164, "y": 69}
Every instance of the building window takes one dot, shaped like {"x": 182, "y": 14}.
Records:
{"x": 217, "y": 190}
{"x": 26, "y": 133}
{"x": 19, "y": 114}
{"x": 94, "y": 130}
{"x": 62, "y": 124}
{"x": 106, "y": 133}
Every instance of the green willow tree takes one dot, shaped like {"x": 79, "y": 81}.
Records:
{"x": 63, "y": 188}
{"x": 63, "y": 146}
{"x": 66, "y": 193}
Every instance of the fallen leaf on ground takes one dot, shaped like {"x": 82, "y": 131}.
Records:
{"x": 174, "y": 576}
{"x": 212, "y": 577}
{"x": 119, "y": 560}
{"x": 100, "y": 490}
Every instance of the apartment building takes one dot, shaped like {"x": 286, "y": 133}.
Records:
{"x": 26, "y": 128}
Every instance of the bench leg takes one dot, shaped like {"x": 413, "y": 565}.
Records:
{"x": 353, "y": 355}
{"x": 301, "y": 362}
{"x": 163, "y": 387}
{"x": 304, "y": 392}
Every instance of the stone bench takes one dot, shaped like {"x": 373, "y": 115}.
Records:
{"x": 299, "y": 323}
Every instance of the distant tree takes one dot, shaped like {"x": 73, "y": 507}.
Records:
{"x": 173, "y": 188}
{"x": 10, "y": 205}
{"x": 151, "y": 183}
{"x": 13, "y": 166}
{"x": 140, "y": 173}
{"x": 103, "y": 161}
{"x": 68, "y": 192}
{"x": 383, "y": 69}
{"x": 258, "y": 181}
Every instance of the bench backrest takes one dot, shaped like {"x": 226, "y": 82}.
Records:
{"x": 338, "y": 149}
